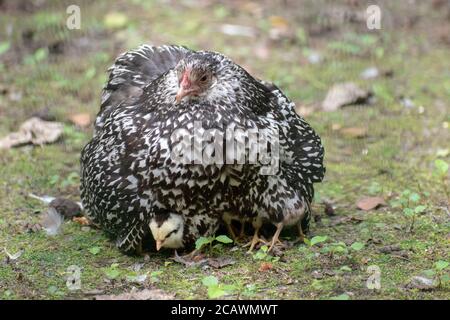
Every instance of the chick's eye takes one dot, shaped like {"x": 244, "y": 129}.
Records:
{"x": 171, "y": 232}
{"x": 204, "y": 78}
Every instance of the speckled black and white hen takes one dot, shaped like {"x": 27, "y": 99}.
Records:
{"x": 160, "y": 98}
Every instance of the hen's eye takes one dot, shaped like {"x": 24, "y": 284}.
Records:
{"x": 204, "y": 78}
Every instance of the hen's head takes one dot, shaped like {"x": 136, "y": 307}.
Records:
{"x": 199, "y": 74}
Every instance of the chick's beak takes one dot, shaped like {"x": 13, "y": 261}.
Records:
{"x": 158, "y": 245}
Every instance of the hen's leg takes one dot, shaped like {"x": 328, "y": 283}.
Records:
{"x": 255, "y": 240}
{"x": 231, "y": 231}
{"x": 275, "y": 238}
{"x": 242, "y": 230}
{"x": 301, "y": 235}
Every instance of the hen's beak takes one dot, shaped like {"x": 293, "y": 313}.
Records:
{"x": 186, "y": 87}
{"x": 181, "y": 94}
{"x": 158, "y": 245}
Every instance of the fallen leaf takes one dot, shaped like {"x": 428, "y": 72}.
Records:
{"x": 146, "y": 294}
{"x": 370, "y": 203}
{"x": 390, "y": 248}
{"x": 354, "y": 132}
{"x": 344, "y": 94}
{"x": 35, "y": 131}
{"x": 279, "y": 28}
{"x": 81, "y": 119}
{"x": 188, "y": 260}
{"x": 237, "y": 30}
{"x": 265, "y": 266}
{"x": 219, "y": 263}
{"x": 51, "y": 222}
{"x": 81, "y": 220}
{"x": 278, "y": 22}
{"x": 137, "y": 279}
{"x": 421, "y": 283}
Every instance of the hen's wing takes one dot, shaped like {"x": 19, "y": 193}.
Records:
{"x": 131, "y": 72}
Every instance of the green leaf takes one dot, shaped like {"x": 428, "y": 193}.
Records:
{"x": 341, "y": 297}
{"x": 429, "y": 273}
{"x": 357, "y": 246}
{"x": 318, "y": 239}
{"x": 112, "y": 273}
{"x": 406, "y": 193}
{"x": 154, "y": 275}
{"x": 202, "y": 241}
{"x": 441, "y": 265}
{"x": 224, "y": 239}
{"x": 445, "y": 278}
{"x": 345, "y": 269}
{"x": 260, "y": 255}
{"x": 94, "y": 250}
{"x": 420, "y": 209}
{"x": 210, "y": 281}
{"x": 408, "y": 212}
{"x": 4, "y": 46}
{"x": 215, "y": 292}
{"x": 441, "y": 167}
{"x": 52, "y": 290}
{"x": 40, "y": 54}
{"x": 414, "y": 197}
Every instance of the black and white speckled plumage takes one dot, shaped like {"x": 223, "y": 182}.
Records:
{"x": 128, "y": 176}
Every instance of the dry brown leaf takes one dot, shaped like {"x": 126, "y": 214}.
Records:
{"x": 35, "y": 131}
{"x": 279, "y": 22}
{"x": 81, "y": 119}
{"x": 370, "y": 203}
{"x": 354, "y": 132}
{"x": 265, "y": 266}
{"x": 219, "y": 263}
{"x": 146, "y": 294}
{"x": 343, "y": 94}
{"x": 81, "y": 220}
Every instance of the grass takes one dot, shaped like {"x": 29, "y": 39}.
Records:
{"x": 398, "y": 153}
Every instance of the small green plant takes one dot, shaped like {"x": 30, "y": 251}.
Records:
{"x": 315, "y": 240}
{"x": 154, "y": 276}
{"x": 409, "y": 202}
{"x": 438, "y": 272}
{"x": 208, "y": 241}
{"x": 216, "y": 289}
{"x": 335, "y": 248}
{"x": 94, "y": 250}
{"x": 263, "y": 254}
{"x": 113, "y": 272}
{"x": 343, "y": 296}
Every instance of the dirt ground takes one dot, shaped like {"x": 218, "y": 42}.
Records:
{"x": 392, "y": 149}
